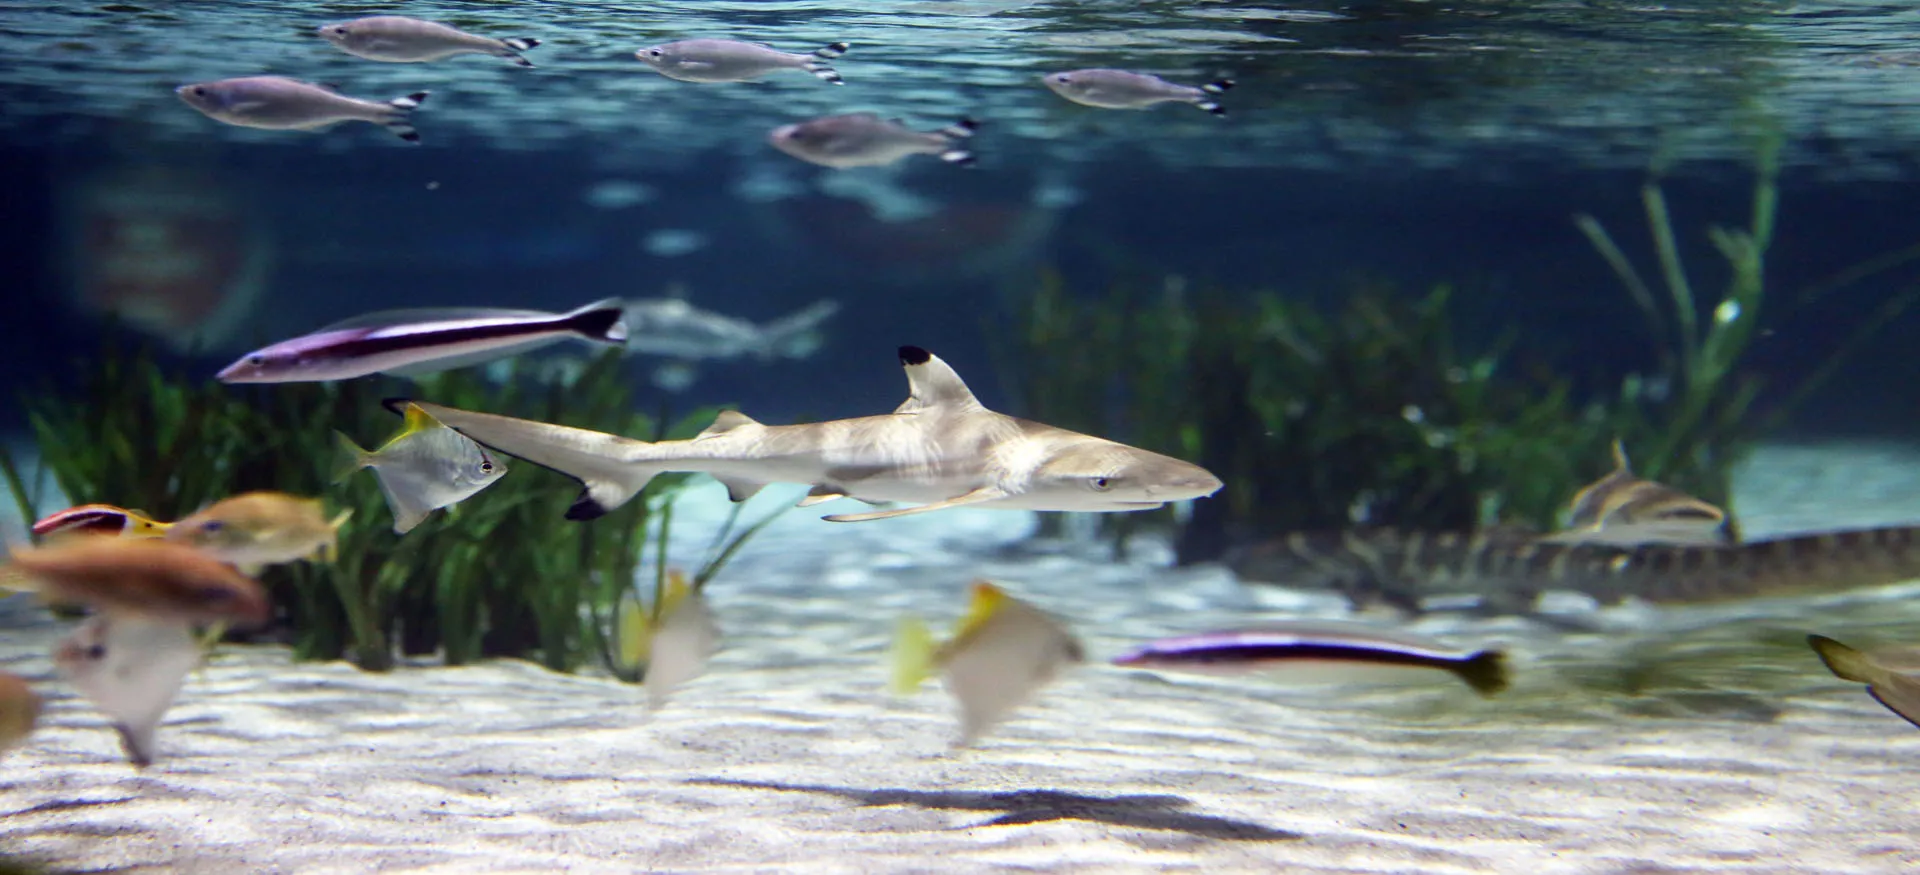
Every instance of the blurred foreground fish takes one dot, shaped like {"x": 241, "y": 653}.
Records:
{"x": 425, "y": 467}
{"x": 100, "y": 519}
{"x": 941, "y": 448}
{"x": 253, "y": 529}
{"x": 1892, "y": 676}
{"x": 19, "y": 710}
{"x": 400, "y": 39}
{"x": 281, "y": 104}
{"x": 675, "y": 647}
{"x": 1625, "y": 510}
{"x": 1340, "y": 651}
{"x": 138, "y": 577}
{"x": 866, "y": 140}
{"x": 130, "y": 668}
{"x": 1119, "y": 89}
{"x": 419, "y": 341}
{"x": 725, "y": 60}
{"x": 1001, "y": 652}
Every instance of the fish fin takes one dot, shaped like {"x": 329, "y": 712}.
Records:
{"x": 1485, "y": 672}
{"x": 601, "y": 321}
{"x": 796, "y": 335}
{"x": 399, "y": 118}
{"x": 820, "y": 494}
{"x": 740, "y": 489}
{"x": 931, "y": 382}
{"x": 1899, "y": 694}
{"x": 138, "y": 742}
{"x": 1217, "y": 86}
{"x": 821, "y": 66}
{"x": 417, "y": 420}
{"x": 832, "y": 50}
{"x": 977, "y": 496}
{"x": 983, "y": 601}
{"x": 250, "y": 569}
{"x": 406, "y": 514}
{"x": 349, "y": 457}
{"x": 960, "y": 130}
{"x": 516, "y": 45}
{"x": 1845, "y": 662}
{"x": 686, "y": 639}
{"x": 725, "y": 421}
{"x": 329, "y": 550}
{"x": 911, "y": 656}
{"x": 634, "y": 635}
{"x": 609, "y": 467}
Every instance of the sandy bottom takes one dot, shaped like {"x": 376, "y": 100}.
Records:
{"x": 1673, "y": 740}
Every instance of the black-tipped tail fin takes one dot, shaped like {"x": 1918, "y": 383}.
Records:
{"x": 400, "y": 119}
{"x": 1485, "y": 672}
{"x": 821, "y": 65}
{"x": 963, "y": 129}
{"x": 602, "y": 321}
{"x": 1216, "y": 87}
{"x": 516, "y": 45}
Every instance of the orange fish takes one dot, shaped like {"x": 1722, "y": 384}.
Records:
{"x": 141, "y": 577}
{"x": 101, "y": 519}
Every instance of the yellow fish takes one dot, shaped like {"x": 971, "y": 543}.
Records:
{"x": 1892, "y": 676}
{"x": 676, "y": 646}
{"x": 261, "y": 528}
{"x": 1001, "y": 652}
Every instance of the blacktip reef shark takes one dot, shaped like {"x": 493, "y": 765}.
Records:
{"x": 1627, "y": 538}
{"x": 939, "y": 449}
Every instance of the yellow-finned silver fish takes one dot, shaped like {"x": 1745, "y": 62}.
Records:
{"x": 1000, "y": 654}
{"x": 399, "y": 39}
{"x": 673, "y": 645}
{"x": 277, "y": 103}
{"x": 425, "y": 467}
{"x": 129, "y": 667}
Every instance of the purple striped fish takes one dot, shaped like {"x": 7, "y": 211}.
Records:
{"x": 421, "y": 341}
{"x": 1316, "y": 645}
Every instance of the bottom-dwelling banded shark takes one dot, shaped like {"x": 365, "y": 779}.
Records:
{"x": 1626, "y": 536}
{"x": 939, "y": 449}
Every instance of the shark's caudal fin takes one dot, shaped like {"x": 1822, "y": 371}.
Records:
{"x": 821, "y": 65}
{"x": 932, "y": 383}
{"x": 795, "y": 335}
{"x": 608, "y": 466}
{"x": 399, "y": 118}
{"x": 514, "y": 46}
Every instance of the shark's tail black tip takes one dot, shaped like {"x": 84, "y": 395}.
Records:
{"x": 913, "y": 355}
{"x": 585, "y": 508}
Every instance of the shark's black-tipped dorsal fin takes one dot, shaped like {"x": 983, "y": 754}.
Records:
{"x": 932, "y": 383}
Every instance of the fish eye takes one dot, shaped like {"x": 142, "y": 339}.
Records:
{"x": 212, "y": 525}
{"x": 486, "y": 467}
{"x": 199, "y": 91}
{"x": 97, "y": 651}
{"x": 654, "y": 53}
{"x": 1063, "y": 79}
{"x": 256, "y": 360}
{"x": 1100, "y": 484}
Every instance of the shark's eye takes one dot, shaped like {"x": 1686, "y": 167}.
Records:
{"x": 1100, "y": 484}
{"x": 199, "y": 91}
{"x": 97, "y": 651}
{"x": 213, "y": 525}
{"x": 256, "y": 360}
{"x": 654, "y": 53}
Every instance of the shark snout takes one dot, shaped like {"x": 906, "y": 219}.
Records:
{"x": 1198, "y": 483}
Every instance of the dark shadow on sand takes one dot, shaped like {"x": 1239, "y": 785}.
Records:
{"x": 1034, "y": 806}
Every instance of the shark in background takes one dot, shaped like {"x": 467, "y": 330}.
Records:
{"x": 941, "y": 448}
{"x": 1627, "y": 538}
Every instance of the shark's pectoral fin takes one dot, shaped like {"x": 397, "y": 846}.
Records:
{"x": 821, "y": 494}
{"x": 740, "y": 489}
{"x": 977, "y": 496}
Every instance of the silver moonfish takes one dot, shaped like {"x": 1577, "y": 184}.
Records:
{"x": 674, "y": 328}
{"x": 676, "y": 648}
{"x": 130, "y": 667}
{"x": 1120, "y": 89}
{"x": 1342, "y": 651}
{"x": 425, "y": 467}
{"x": 725, "y": 60}
{"x": 421, "y": 341}
{"x": 866, "y": 140}
{"x": 399, "y": 39}
{"x": 280, "y": 104}
{"x": 1892, "y": 675}
{"x": 1001, "y": 652}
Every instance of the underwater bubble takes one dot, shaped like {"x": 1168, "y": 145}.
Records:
{"x": 1728, "y": 311}
{"x": 618, "y": 194}
{"x": 674, "y": 242}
